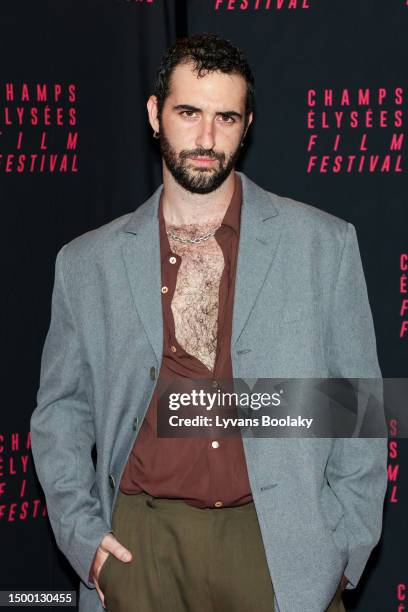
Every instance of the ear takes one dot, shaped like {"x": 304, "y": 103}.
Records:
{"x": 152, "y": 110}
{"x": 250, "y": 118}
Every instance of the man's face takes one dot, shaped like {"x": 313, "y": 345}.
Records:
{"x": 202, "y": 127}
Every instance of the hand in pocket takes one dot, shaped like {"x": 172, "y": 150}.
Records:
{"x": 108, "y": 546}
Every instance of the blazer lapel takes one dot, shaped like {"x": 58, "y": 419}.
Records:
{"x": 260, "y": 233}
{"x": 141, "y": 255}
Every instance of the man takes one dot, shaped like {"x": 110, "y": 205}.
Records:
{"x": 212, "y": 277}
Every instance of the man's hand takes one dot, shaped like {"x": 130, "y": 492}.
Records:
{"x": 109, "y": 545}
{"x": 344, "y": 582}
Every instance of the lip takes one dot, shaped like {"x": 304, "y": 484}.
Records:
{"x": 205, "y": 161}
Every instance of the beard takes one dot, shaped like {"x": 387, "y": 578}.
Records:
{"x": 197, "y": 180}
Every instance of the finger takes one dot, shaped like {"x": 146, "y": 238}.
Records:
{"x": 107, "y": 542}
{"x": 111, "y": 545}
{"x": 101, "y": 595}
{"x": 121, "y": 553}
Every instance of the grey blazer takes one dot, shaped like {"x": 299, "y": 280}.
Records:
{"x": 301, "y": 310}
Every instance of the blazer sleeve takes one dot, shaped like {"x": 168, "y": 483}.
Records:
{"x": 62, "y": 437}
{"x": 357, "y": 467}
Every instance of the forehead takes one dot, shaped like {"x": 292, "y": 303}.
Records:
{"x": 215, "y": 89}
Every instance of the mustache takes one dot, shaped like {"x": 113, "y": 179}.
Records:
{"x": 202, "y": 153}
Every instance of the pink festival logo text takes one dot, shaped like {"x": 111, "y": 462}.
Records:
{"x": 260, "y": 5}
{"x": 393, "y": 465}
{"x": 38, "y": 128}
{"x": 18, "y": 496}
{"x": 403, "y": 285}
{"x": 357, "y": 130}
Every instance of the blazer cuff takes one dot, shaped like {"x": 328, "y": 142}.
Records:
{"x": 355, "y": 566}
{"x": 80, "y": 547}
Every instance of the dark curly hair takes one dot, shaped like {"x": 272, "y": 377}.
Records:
{"x": 208, "y": 53}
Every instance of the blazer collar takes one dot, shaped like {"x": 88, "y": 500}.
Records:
{"x": 258, "y": 202}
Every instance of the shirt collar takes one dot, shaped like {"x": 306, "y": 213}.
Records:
{"x": 233, "y": 212}
{"x": 231, "y": 217}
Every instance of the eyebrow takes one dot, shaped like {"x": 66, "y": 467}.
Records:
{"x": 195, "y": 109}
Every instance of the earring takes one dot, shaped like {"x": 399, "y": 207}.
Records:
{"x": 155, "y": 134}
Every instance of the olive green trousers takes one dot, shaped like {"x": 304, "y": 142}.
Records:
{"x": 188, "y": 559}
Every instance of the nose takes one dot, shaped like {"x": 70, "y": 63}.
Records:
{"x": 206, "y": 135}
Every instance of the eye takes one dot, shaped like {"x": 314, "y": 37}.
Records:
{"x": 188, "y": 113}
{"x": 227, "y": 119}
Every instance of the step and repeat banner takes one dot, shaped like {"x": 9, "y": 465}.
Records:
{"x": 76, "y": 151}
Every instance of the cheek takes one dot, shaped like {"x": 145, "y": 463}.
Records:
{"x": 182, "y": 137}
{"x": 229, "y": 138}
{"x": 229, "y": 144}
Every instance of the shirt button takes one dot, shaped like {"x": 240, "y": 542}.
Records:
{"x": 164, "y": 289}
{"x": 215, "y": 444}
{"x": 214, "y": 384}
{"x": 173, "y": 348}
{"x": 172, "y": 260}
{"x": 218, "y": 504}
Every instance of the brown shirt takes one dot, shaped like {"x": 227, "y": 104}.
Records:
{"x": 203, "y": 471}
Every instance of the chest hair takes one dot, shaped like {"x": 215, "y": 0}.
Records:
{"x": 196, "y": 297}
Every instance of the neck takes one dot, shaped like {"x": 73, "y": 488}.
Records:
{"x": 181, "y": 207}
